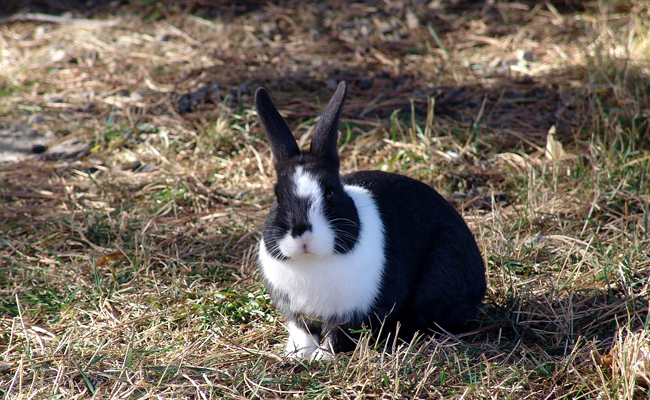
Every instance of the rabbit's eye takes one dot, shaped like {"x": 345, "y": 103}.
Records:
{"x": 329, "y": 196}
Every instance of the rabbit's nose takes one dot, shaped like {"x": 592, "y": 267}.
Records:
{"x": 305, "y": 239}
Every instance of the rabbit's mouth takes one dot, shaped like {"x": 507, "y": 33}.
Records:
{"x": 306, "y": 251}
{"x": 305, "y": 241}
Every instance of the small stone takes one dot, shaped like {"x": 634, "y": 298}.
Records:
{"x": 148, "y": 167}
{"x": 49, "y": 98}
{"x": 38, "y": 149}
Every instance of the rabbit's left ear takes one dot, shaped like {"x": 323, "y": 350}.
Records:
{"x": 326, "y": 134}
{"x": 283, "y": 144}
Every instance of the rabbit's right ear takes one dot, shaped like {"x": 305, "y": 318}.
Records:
{"x": 283, "y": 144}
{"x": 326, "y": 133}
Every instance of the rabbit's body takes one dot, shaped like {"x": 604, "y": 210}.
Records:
{"x": 368, "y": 248}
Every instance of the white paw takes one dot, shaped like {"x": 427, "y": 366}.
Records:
{"x": 301, "y": 344}
{"x": 321, "y": 354}
{"x": 324, "y": 352}
{"x": 302, "y": 353}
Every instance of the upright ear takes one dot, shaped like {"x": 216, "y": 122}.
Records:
{"x": 326, "y": 134}
{"x": 283, "y": 144}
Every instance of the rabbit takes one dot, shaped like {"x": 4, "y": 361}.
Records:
{"x": 370, "y": 249}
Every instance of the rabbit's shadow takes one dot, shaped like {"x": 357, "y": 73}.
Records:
{"x": 552, "y": 326}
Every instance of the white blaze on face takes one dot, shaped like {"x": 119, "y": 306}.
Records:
{"x": 319, "y": 241}
{"x": 306, "y": 186}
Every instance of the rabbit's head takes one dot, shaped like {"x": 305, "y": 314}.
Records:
{"x": 313, "y": 216}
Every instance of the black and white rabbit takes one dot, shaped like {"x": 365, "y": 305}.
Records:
{"x": 342, "y": 252}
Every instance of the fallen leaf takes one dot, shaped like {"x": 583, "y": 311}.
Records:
{"x": 110, "y": 257}
{"x": 554, "y": 150}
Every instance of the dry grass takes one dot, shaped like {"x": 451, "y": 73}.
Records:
{"x": 128, "y": 270}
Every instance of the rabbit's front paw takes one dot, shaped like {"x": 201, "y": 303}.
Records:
{"x": 301, "y": 344}
{"x": 321, "y": 354}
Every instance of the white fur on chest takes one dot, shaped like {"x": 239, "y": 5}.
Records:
{"x": 334, "y": 285}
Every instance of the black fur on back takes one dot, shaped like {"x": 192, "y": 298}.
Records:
{"x": 434, "y": 272}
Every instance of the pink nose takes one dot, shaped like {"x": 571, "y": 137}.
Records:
{"x": 305, "y": 239}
